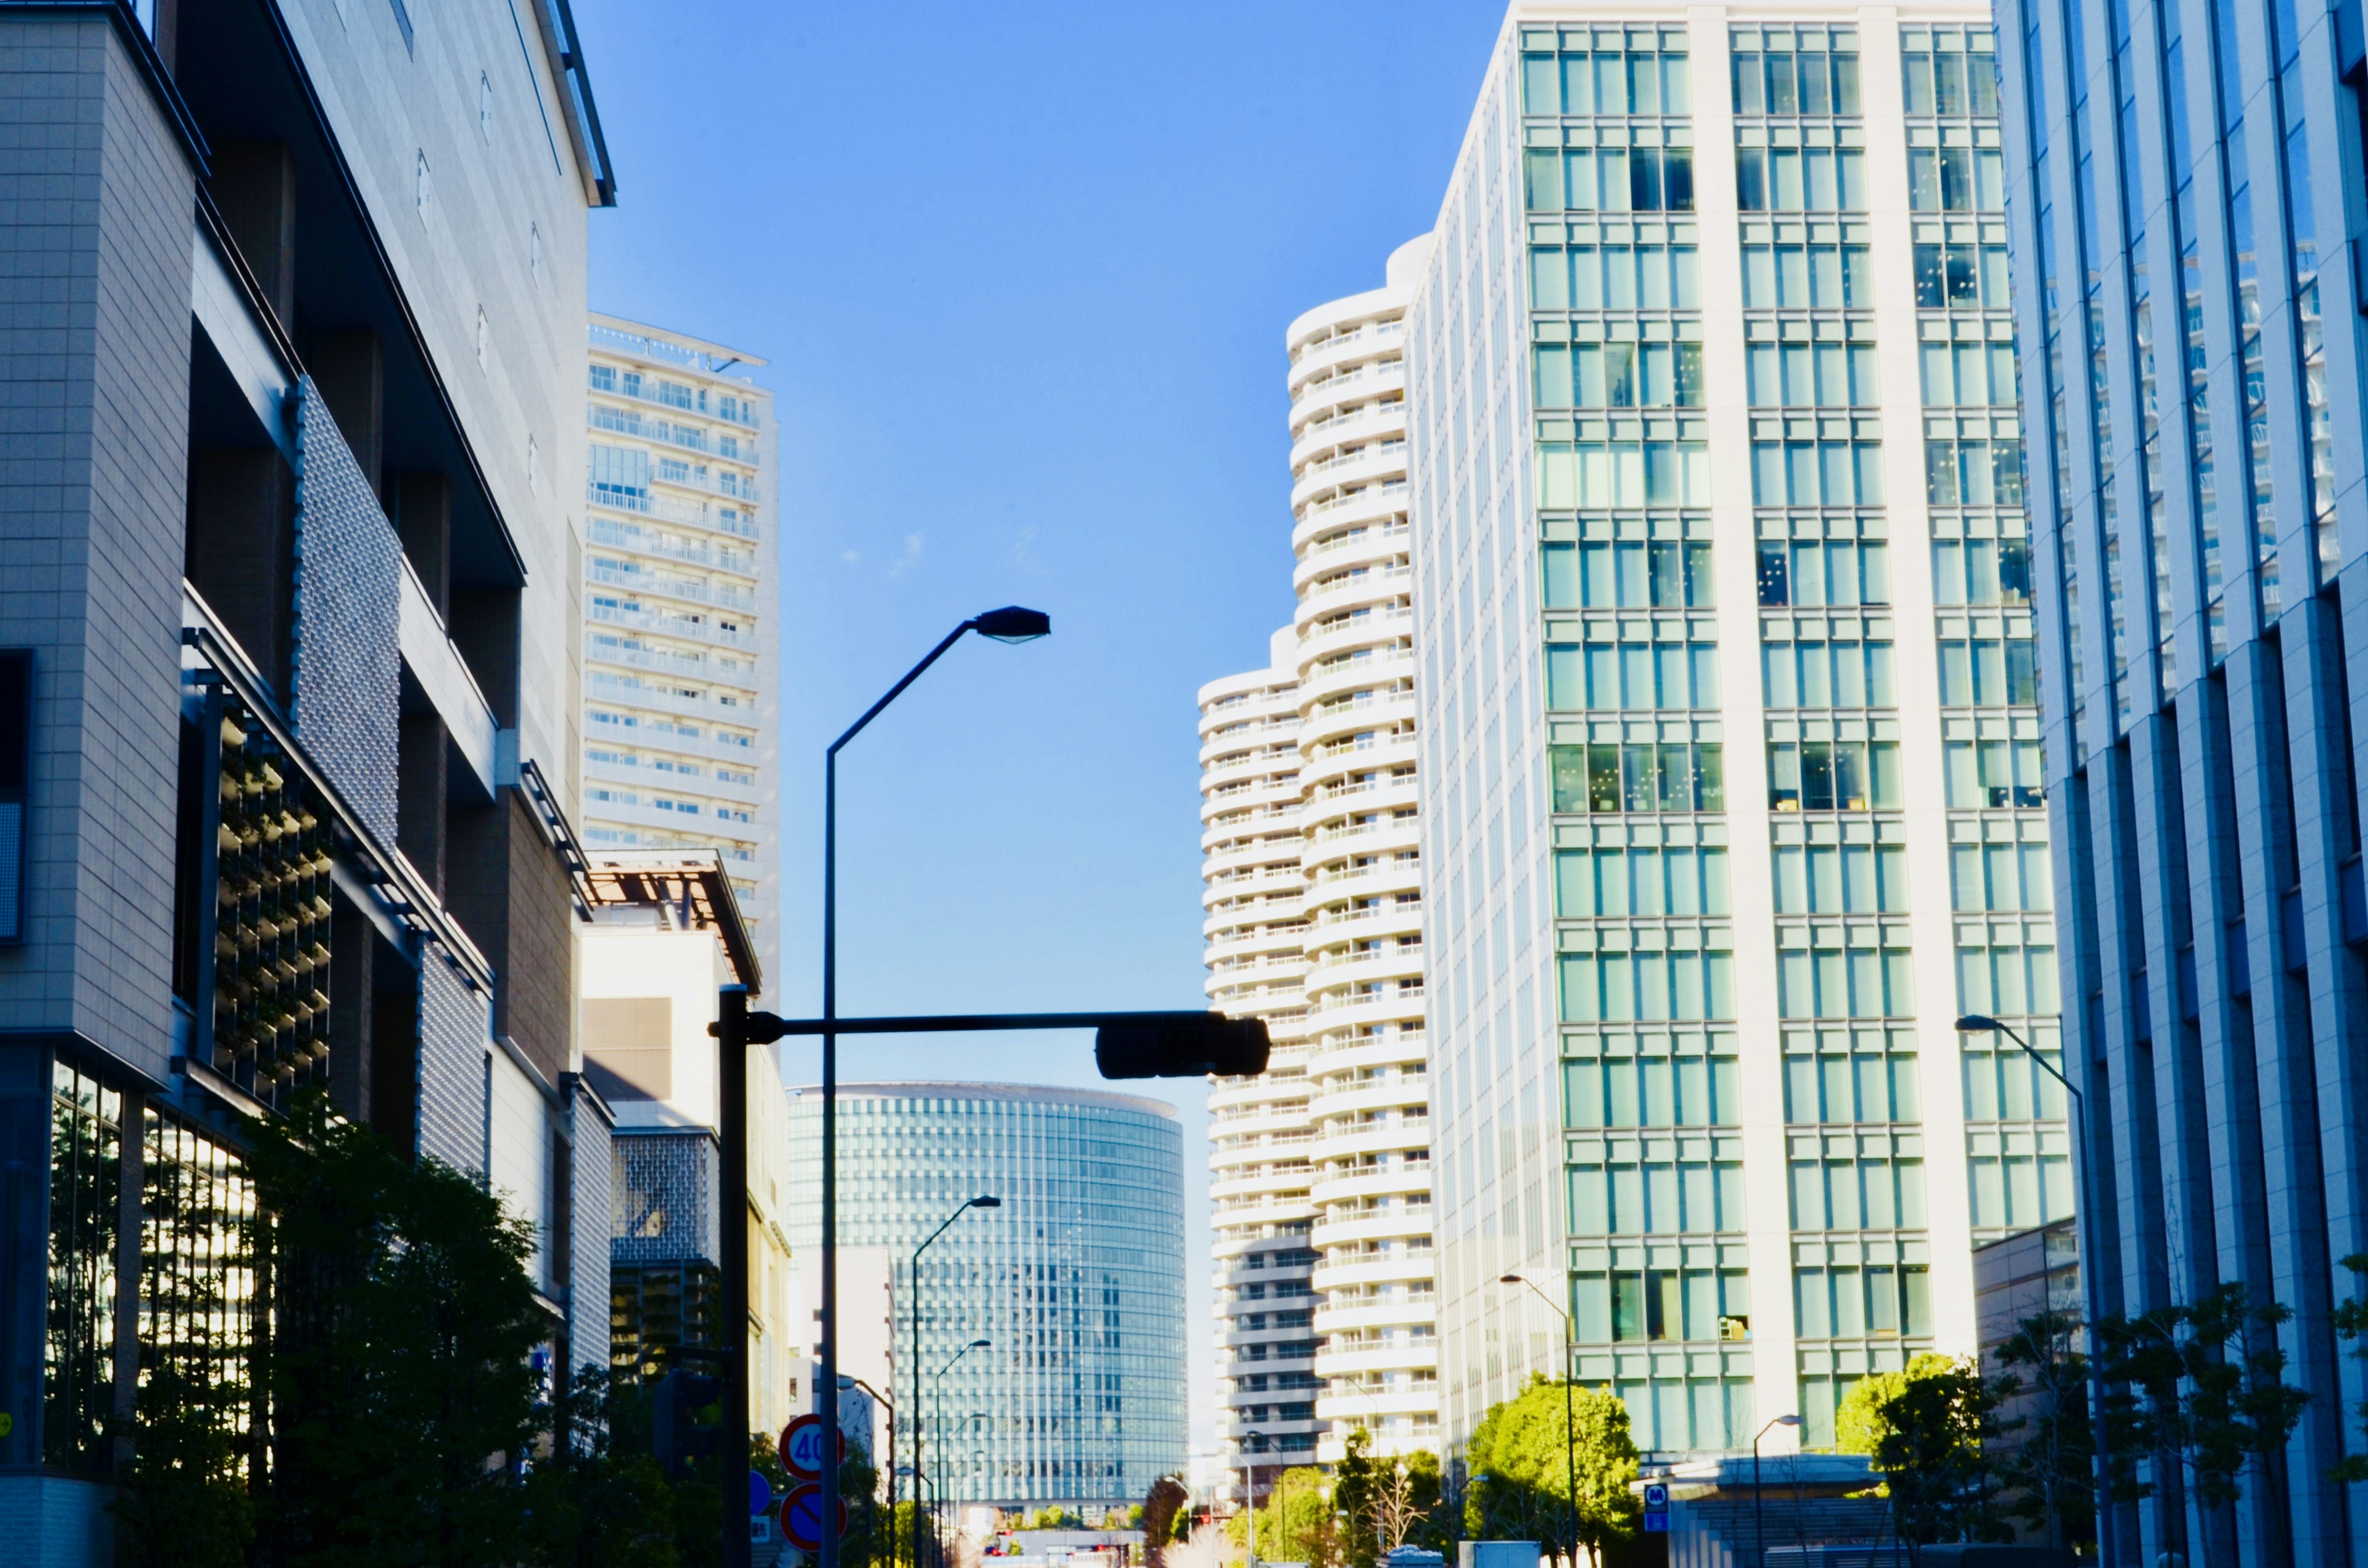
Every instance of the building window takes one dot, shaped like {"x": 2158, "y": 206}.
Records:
{"x": 86, "y": 1175}
{"x": 16, "y": 780}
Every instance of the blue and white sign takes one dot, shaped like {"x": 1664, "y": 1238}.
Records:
{"x": 1656, "y": 1508}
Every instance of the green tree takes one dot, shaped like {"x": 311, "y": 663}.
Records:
{"x": 1356, "y": 1495}
{"x": 2047, "y": 1472}
{"x": 1294, "y": 1521}
{"x": 401, "y": 1395}
{"x": 1858, "y": 1421}
{"x": 1520, "y": 1460}
{"x": 2350, "y": 1319}
{"x": 185, "y": 1502}
{"x": 1384, "y": 1500}
{"x": 599, "y": 1499}
{"x": 1930, "y": 1455}
{"x": 865, "y": 1540}
{"x": 1156, "y": 1516}
{"x": 2201, "y": 1389}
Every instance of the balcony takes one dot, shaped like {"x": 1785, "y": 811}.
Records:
{"x": 702, "y": 630}
{"x": 627, "y": 536}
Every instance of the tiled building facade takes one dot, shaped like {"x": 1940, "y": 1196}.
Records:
{"x": 2185, "y": 204}
{"x": 282, "y": 554}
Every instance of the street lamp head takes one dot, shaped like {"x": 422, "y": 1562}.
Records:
{"x": 1977, "y": 1023}
{"x": 1511, "y": 1280}
{"x": 979, "y": 1344}
{"x": 986, "y": 1202}
{"x": 1013, "y": 624}
{"x": 1788, "y": 1421}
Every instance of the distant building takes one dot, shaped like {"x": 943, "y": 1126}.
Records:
{"x": 1077, "y": 1282}
{"x": 681, "y": 649}
{"x": 1321, "y": 1166}
{"x": 665, "y": 936}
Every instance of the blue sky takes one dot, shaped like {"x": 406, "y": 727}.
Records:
{"x": 1023, "y": 273}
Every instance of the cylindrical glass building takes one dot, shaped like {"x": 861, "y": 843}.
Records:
{"x": 1077, "y": 1280}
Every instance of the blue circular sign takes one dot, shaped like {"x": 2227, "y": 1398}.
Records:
{"x": 760, "y": 1493}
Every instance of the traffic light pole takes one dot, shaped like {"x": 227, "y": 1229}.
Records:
{"x": 1126, "y": 1045}
{"x": 732, "y": 1210}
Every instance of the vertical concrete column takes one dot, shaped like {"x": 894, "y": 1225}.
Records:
{"x": 349, "y": 365}
{"x": 423, "y": 779}
{"x": 423, "y": 516}
{"x": 351, "y": 941}
{"x": 241, "y": 545}
{"x": 253, "y": 186}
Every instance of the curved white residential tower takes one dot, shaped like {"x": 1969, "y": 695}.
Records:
{"x": 1323, "y": 1169}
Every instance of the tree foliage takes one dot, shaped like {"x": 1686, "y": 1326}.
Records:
{"x": 1294, "y": 1521}
{"x": 1521, "y": 1457}
{"x": 599, "y": 1498}
{"x": 397, "y": 1370}
{"x": 1384, "y": 1500}
{"x": 185, "y": 1502}
{"x": 2047, "y": 1468}
{"x": 1858, "y": 1426}
{"x": 1931, "y": 1453}
{"x": 2200, "y": 1388}
{"x": 1156, "y": 1516}
{"x": 2351, "y": 1318}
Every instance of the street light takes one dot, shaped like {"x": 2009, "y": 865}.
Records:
{"x": 890, "y": 1406}
{"x": 1009, "y": 624}
{"x": 1267, "y": 1445}
{"x": 2093, "y": 1261}
{"x": 937, "y": 1416}
{"x": 1758, "y": 1519}
{"x": 982, "y": 1201}
{"x": 1569, "y": 1435}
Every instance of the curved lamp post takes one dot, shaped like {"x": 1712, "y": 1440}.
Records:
{"x": 2092, "y": 1260}
{"x": 938, "y": 1414}
{"x": 1569, "y": 1434}
{"x": 1009, "y": 624}
{"x": 982, "y": 1201}
{"x": 1266, "y": 1445}
{"x": 1760, "y": 1519}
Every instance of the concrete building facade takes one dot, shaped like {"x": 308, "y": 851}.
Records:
{"x": 285, "y": 576}
{"x": 1322, "y": 1168}
{"x": 665, "y": 935}
{"x": 1727, "y": 711}
{"x": 2184, "y": 186}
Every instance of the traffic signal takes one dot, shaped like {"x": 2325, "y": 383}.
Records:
{"x": 680, "y": 1435}
{"x": 1180, "y": 1045}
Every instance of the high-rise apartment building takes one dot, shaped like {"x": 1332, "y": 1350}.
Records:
{"x": 1728, "y": 711}
{"x": 2183, "y": 187}
{"x": 681, "y": 637}
{"x": 286, "y": 704}
{"x": 1321, "y": 1169}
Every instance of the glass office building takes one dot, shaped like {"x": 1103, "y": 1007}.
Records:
{"x": 1728, "y": 711}
{"x": 1077, "y": 1280}
{"x": 2184, "y": 185}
